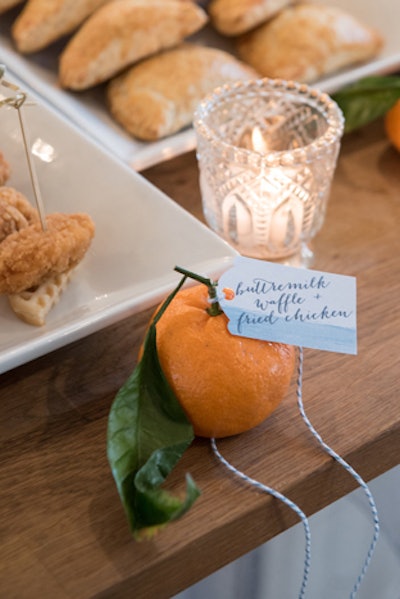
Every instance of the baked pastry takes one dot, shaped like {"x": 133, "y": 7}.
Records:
{"x": 42, "y": 22}
{"x": 308, "y": 41}
{"x": 8, "y": 4}
{"x": 234, "y": 17}
{"x": 122, "y": 33}
{"x": 158, "y": 96}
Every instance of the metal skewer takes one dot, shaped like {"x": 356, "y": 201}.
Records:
{"x": 17, "y": 101}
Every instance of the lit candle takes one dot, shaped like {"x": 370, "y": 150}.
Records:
{"x": 267, "y": 151}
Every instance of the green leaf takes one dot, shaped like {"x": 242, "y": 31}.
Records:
{"x": 367, "y": 99}
{"x": 147, "y": 434}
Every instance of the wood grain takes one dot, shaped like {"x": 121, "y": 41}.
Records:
{"x": 63, "y": 532}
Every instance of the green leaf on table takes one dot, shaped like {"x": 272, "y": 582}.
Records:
{"x": 367, "y": 99}
{"x": 147, "y": 434}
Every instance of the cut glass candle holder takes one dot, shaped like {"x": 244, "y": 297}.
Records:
{"x": 267, "y": 151}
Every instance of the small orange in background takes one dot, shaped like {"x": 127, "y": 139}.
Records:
{"x": 392, "y": 125}
{"x": 226, "y": 384}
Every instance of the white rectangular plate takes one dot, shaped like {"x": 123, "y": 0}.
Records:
{"x": 89, "y": 112}
{"x": 141, "y": 235}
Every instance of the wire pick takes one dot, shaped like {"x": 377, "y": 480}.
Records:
{"x": 18, "y": 100}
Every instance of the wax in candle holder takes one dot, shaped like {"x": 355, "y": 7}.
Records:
{"x": 267, "y": 150}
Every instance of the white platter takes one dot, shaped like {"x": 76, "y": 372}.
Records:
{"x": 141, "y": 235}
{"x": 88, "y": 110}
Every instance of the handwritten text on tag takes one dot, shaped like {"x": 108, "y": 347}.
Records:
{"x": 290, "y": 305}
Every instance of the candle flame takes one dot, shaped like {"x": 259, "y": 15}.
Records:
{"x": 258, "y": 141}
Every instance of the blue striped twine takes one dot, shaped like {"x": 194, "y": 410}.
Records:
{"x": 349, "y": 469}
{"x": 295, "y": 508}
{"x": 286, "y": 501}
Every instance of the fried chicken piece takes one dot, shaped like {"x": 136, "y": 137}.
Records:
{"x": 29, "y": 256}
{"x": 16, "y": 212}
{"x": 4, "y": 169}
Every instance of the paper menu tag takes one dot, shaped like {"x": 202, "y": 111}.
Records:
{"x": 297, "y": 306}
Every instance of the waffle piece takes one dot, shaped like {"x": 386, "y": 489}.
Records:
{"x": 308, "y": 41}
{"x": 32, "y": 306}
{"x": 234, "y": 17}
{"x": 42, "y": 22}
{"x": 123, "y": 32}
{"x": 158, "y": 96}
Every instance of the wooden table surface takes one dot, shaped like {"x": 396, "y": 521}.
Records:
{"x": 62, "y": 529}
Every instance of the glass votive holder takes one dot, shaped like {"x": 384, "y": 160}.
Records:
{"x": 267, "y": 150}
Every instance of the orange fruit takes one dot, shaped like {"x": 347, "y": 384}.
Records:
{"x": 392, "y": 125}
{"x": 225, "y": 384}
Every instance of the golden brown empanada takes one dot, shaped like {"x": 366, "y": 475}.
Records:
{"x": 122, "y": 33}
{"x": 307, "y": 41}
{"x": 233, "y": 17}
{"x": 158, "y": 96}
{"x": 7, "y": 4}
{"x": 41, "y": 22}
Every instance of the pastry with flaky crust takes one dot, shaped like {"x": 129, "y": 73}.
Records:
{"x": 121, "y": 33}
{"x": 308, "y": 41}
{"x": 233, "y": 17}
{"x": 158, "y": 96}
{"x": 42, "y": 22}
